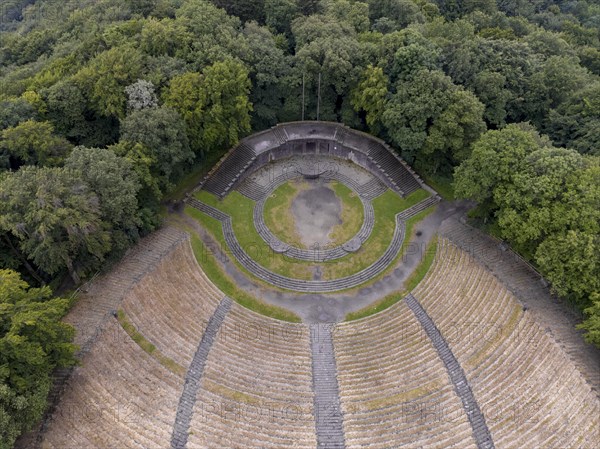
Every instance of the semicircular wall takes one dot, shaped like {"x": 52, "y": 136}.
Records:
{"x": 309, "y": 137}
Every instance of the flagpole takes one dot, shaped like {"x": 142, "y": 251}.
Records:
{"x": 302, "y": 96}
{"x": 319, "y": 97}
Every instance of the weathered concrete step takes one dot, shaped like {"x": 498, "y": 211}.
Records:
{"x": 193, "y": 377}
{"x": 327, "y": 407}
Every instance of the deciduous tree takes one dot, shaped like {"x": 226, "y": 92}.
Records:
{"x": 56, "y": 219}
{"x": 33, "y": 341}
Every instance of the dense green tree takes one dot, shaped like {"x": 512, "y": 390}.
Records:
{"x": 589, "y": 58}
{"x": 244, "y": 9}
{"x": 144, "y": 163}
{"x": 104, "y": 79}
{"x": 279, "y": 15}
{"x": 490, "y": 89}
{"x": 227, "y": 111}
{"x": 165, "y": 37}
{"x": 214, "y": 104}
{"x": 543, "y": 200}
{"x": 570, "y": 260}
{"x": 215, "y": 33}
{"x": 495, "y": 159}
{"x": 33, "y": 341}
{"x": 433, "y": 121}
{"x": 67, "y": 108}
{"x": 116, "y": 185}
{"x": 354, "y": 13}
{"x": 187, "y": 96}
{"x": 329, "y": 47}
{"x": 15, "y": 111}
{"x": 400, "y": 13}
{"x": 575, "y": 123}
{"x": 162, "y": 133}
{"x": 558, "y": 78}
{"x": 370, "y": 96}
{"x": 56, "y": 219}
{"x": 592, "y": 322}
{"x": 546, "y": 195}
{"x": 33, "y": 143}
{"x": 270, "y": 76}
{"x": 405, "y": 53}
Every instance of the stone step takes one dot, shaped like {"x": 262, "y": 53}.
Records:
{"x": 481, "y": 433}
{"x": 194, "y": 374}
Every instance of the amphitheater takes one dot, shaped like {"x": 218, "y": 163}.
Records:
{"x": 477, "y": 353}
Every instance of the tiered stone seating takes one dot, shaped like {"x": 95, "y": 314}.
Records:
{"x": 256, "y": 390}
{"x": 104, "y": 295}
{"x": 221, "y": 181}
{"x": 528, "y": 286}
{"x": 251, "y": 189}
{"x": 372, "y": 189}
{"x": 172, "y": 307}
{"x": 395, "y": 390}
{"x": 396, "y": 172}
{"x": 121, "y": 397}
{"x": 99, "y": 298}
{"x": 530, "y": 392}
{"x": 280, "y": 134}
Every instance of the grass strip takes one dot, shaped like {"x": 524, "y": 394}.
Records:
{"x": 278, "y": 216}
{"x": 419, "y": 273}
{"x": 147, "y": 346}
{"x": 413, "y": 280}
{"x": 384, "y": 303}
{"x": 442, "y": 185}
{"x": 241, "y": 211}
{"x": 385, "y": 208}
{"x": 352, "y": 214}
{"x": 216, "y": 274}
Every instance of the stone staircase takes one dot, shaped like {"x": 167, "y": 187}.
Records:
{"x": 481, "y": 432}
{"x": 280, "y": 134}
{"x": 194, "y": 375}
{"x": 251, "y": 189}
{"x": 230, "y": 170}
{"x": 372, "y": 189}
{"x": 327, "y": 409}
{"x": 419, "y": 207}
{"x": 391, "y": 167}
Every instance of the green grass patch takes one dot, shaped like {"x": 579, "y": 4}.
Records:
{"x": 352, "y": 214}
{"x": 277, "y": 213}
{"x": 378, "y": 306}
{"x": 147, "y": 346}
{"x": 241, "y": 209}
{"x": 413, "y": 280}
{"x": 215, "y": 273}
{"x": 419, "y": 273}
{"x": 385, "y": 207}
